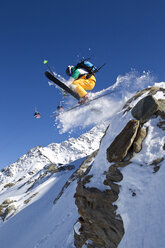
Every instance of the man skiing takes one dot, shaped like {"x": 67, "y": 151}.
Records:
{"x": 81, "y": 79}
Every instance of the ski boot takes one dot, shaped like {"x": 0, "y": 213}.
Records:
{"x": 83, "y": 99}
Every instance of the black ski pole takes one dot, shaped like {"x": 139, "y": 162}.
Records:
{"x": 46, "y": 63}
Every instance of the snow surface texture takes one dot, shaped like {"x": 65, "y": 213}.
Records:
{"x": 63, "y": 153}
{"x": 143, "y": 215}
{"x": 105, "y": 107}
{"x": 41, "y": 224}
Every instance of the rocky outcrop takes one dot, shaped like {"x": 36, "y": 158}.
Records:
{"x": 99, "y": 222}
{"x": 30, "y": 198}
{"x": 147, "y": 107}
{"x": 6, "y": 208}
{"x": 53, "y": 168}
{"x": 8, "y": 185}
{"x": 99, "y": 225}
{"x": 156, "y": 164}
{"x": 150, "y": 91}
{"x": 137, "y": 144}
{"x": 161, "y": 109}
{"x": 46, "y": 173}
{"x": 78, "y": 174}
{"x": 118, "y": 150}
{"x": 161, "y": 125}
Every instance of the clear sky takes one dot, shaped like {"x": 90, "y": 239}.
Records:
{"x": 124, "y": 34}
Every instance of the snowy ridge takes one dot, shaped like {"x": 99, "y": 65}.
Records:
{"x": 36, "y": 180}
{"x": 143, "y": 215}
{"x": 74, "y": 149}
{"x": 63, "y": 153}
{"x": 117, "y": 122}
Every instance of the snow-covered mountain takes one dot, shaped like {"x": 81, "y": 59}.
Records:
{"x": 104, "y": 189}
{"x": 30, "y": 185}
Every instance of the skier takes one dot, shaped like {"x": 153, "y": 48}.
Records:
{"x": 81, "y": 79}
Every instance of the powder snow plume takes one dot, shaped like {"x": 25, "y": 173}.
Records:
{"x": 102, "y": 109}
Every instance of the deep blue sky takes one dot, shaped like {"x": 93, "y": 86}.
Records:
{"x": 124, "y": 34}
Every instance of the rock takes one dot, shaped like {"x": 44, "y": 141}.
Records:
{"x": 137, "y": 144}
{"x": 9, "y": 185}
{"x": 161, "y": 109}
{"x": 66, "y": 167}
{"x": 145, "y": 108}
{"x": 161, "y": 125}
{"x": 114, "y": 174}
{"x": 52, "y": 168}
{"x": 6, "y": 208}
{"x": 86, "y": 165}
{"x": 7, "y": 211}
{"x": 118, "y": 150}
{"x": 99, "y": 221}
{"x": 30, "y": 198}
{"x": 78, "y": 174}
{"x": 7, "y": 202}
{"x": 99, "y": 225}
{"x": 156, "y": 163}
{"x": 138, "y": 94}
{"x": 151, "y": 91}
{"x": 55, "y": 168}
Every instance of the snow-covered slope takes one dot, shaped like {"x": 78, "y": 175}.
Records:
{"x": 63, "y": 153}
{"x": 141, "y": 201}
{"x": 37, "y": 204}
{"x": 30, "y": 185}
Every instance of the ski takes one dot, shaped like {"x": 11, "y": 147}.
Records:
{"x": 61, "y": 85}
{"x": 79, "y": 105}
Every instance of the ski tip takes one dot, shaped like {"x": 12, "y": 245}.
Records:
{"x": 47, "y": 73}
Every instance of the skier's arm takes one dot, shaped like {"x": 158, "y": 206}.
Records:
{"x": 75, "y": 73}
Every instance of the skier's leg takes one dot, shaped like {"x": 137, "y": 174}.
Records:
{"x": 84, "y": 84}
{"x": 77, "y": 85}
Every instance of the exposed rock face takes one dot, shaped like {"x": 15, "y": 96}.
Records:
{"x": 161, "y": 125}
{"x": 121, "y": 144}
{"x": 99, "y": 222}
{"x": 148, "y": 106}
{"x": 79, "y": 173}
{"x": 141, "y": 134}
{"x": 98, "y": 225}
{"x": 145, "y": 108}
{"x": 156, "y": 165}
{"x": 54, "y": 168}
{"x": 151, "y": 91}
{"x": 7, "y": 208}
{"x": 161, "y": 110}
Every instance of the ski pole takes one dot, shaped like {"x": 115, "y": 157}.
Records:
{"x": 100, "y": 67}
{"x": 93, "y": 72}
{"x": 45, "y": 62}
